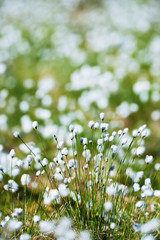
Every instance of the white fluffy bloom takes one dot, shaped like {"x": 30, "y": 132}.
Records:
{"x": 111, "y": 190}
{"x": 157, "y": 193}
{"x": 11, "y": 186}
{"x": 100, "y": 142}
{"x": 16, "y": 134}
{"x": 145, "y": 133}
{"x": 72, "y": 164}
{"x": 147, "y": 193}
{"x": 84, "y": 235}
{"x": 135, "y": 133}
{"x": 120, "y": 132}
{"x": 102, "y": 116}
{"x": 3, "y": 224}
{"x": 136, "y": 187}
{"x": 114, "y": 148}
{"x": 108, "y": 206}
{"x": 58, "y": 176}
{"x": 148, "y": 237}
{"x": 44, "y": 162}
{"x": 12, "y": 153}
{"x": 25, "y": 236}
{"x": 140, "y": 150}
{"x": 141, "y": 205}
{"x": 65, "y": 151}
{"x": 141, "y": 129}
{"x": 35, "y": 124}
{"x": 25, "y": 179}
{"x": 104, "y": 126}
{"x": 85, "y": 141}
{"x": 111, "y": 138}
{"x": 47, "y": 226}
{"x": 125, "y": 131}
{"x": 157, "y": 166}
{"x": 91, "y": 124}
{"x": 36, "y": 218}
{"x": 14, "y": 225}
{"x": 96, "y": 125}
{"x": 60, "y": 145}
{"x": 87, "y": 154}
{"x": 124, "y": 141}
{"x": 64, "y": 229}
{"x": 29, "y": 159}
{"x": 71, "y": 128}
{"x": 150, "y": 226}
{"x": 63, "y": 190}
{"x": 112, "y": 225}
{"x": 148, "y": 181}
{"x": 149, "y": 159}
{"x": 18, "y": 212}
{"x": 38, "y": 173}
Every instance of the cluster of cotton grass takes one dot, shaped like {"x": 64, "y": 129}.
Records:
{"x": 93, "y": 182}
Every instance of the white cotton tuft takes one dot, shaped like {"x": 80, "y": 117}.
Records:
{"x": 16, "y": 134}
{"x": 102, "y": 116}
{"x": 149, "y": 159}
{"x": 25, "y": 179}
{"x": 25, "y": 236}
{"x": 108, "y": 206}
{"x": 46, "y": 226}
{"x": 84, "y": 235}
{"x": 14, "y": 225}
{"x": 63, "y": 190}
{"x": 36, "y": 219}
{"x": 35, "y": 124}
{"x": 150, "y": 226}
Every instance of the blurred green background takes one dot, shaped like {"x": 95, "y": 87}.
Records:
{"x": 64, "y": 62}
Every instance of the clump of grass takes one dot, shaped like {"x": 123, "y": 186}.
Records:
{"x": 92, "y": 181}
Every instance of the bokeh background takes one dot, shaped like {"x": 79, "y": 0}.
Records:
{"x": 65, "y": 61}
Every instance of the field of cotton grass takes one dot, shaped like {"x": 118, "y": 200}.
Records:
{"x": 80, "y": 119}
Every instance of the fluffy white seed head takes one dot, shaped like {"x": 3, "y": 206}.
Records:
{"x": 12, "y": 153}
{"x": 44, "y": 162}
{"x": 3, "y": 224}
{"x": 149, "y": 159}
{"x": 35, "y": 124}
{"x": 25, "y": 236}
{"x": 71, "y": 128}
{"x": 112, "y": 225}
{"x": 102, "y": 116}
{"x": 150, "y": 226}
{"x": 46, "y": 226}
{"x": 140, "y": 150}
{"x": 125, "y": 131}
{"x": 100, "y": 142}
{"x": 14, "y": 225}
{"x": 96, "y": 125}
{"x": 141, "y": 205}
{"x": 16, "y": 134}
{"x": 25, "y": 179}
{"x": 60, "y": 145}
{"x": 124, "y": 141}
{"x": 36, "y": 218}
{"x": 85, "y": 141}
{"x": 135, "y": 133}
{"x": 64, "y": 151}
{"x": 108, "y": 206}
{"x": 91, "y": 124}
{"x": 120, "y": 132}
{"x": 85, "y": 235}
